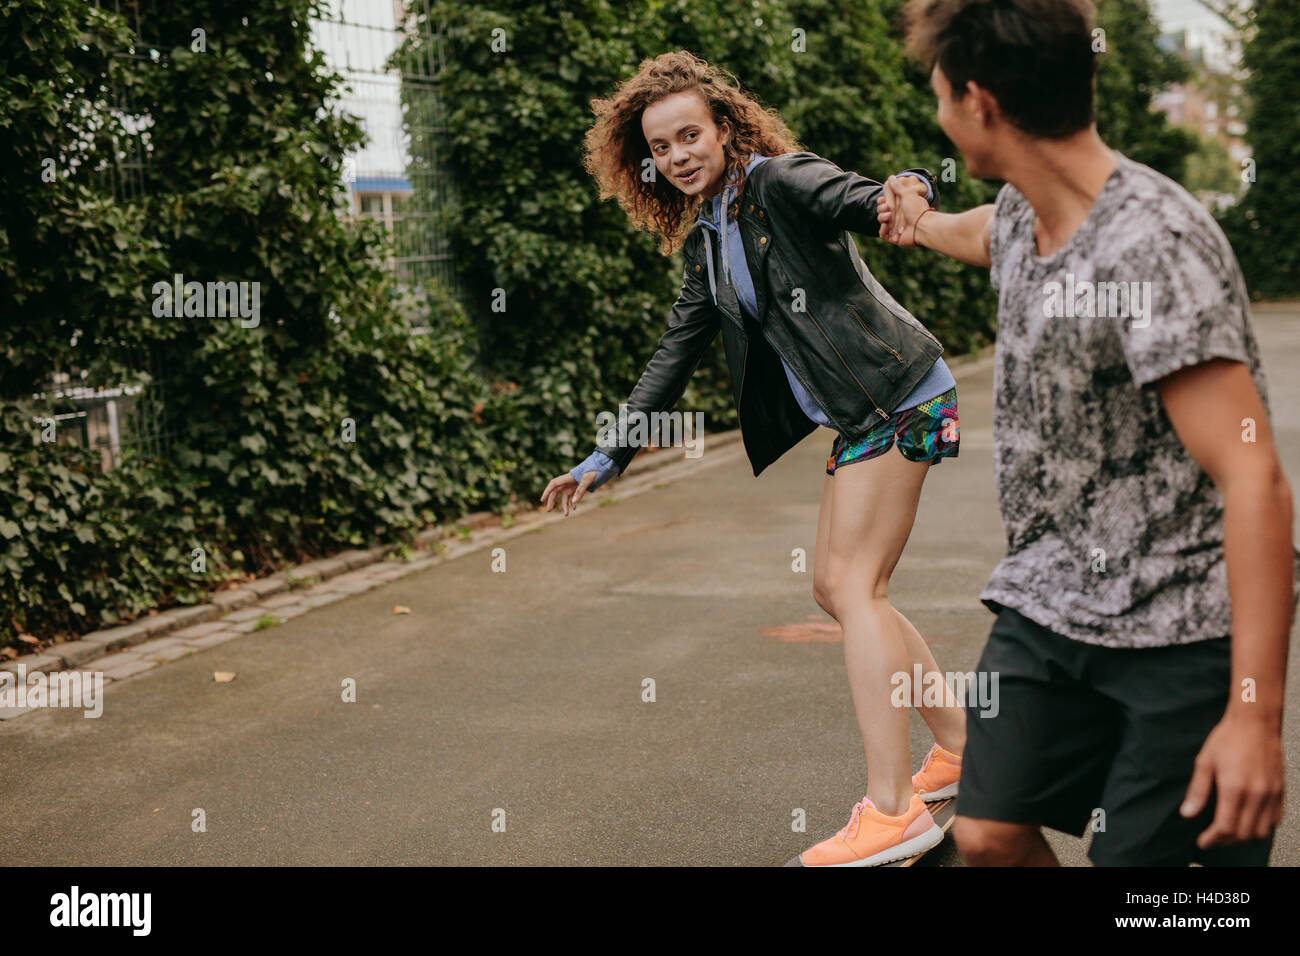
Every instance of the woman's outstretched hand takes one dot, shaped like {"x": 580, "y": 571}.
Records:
{"x": 565, "y": 488}
{"x": 898, "y": 207}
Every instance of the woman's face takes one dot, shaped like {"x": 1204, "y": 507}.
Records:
{"x": 686, "y": 144}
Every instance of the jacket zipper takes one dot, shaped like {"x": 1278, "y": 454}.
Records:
{"x": 866, "y": 329}
{"x": 810, "y": 391}
{"x": 769, "y": 341}
{"x": 847, "y": 367}
{"x": 873, "y": 295}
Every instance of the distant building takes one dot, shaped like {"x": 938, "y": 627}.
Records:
{"x": 1209, "y": 102}
{"x": 357, "y": 38}
{"x": 379, "y": 197}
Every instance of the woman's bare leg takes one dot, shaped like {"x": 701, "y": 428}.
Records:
{"x": 874, "y": 504}
{"x": 946, "y": 722}
{"x": 821, "y": 593}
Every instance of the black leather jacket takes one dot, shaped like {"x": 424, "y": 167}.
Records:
{"x": 857, "y": 351}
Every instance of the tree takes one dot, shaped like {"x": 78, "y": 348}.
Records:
{"x": 1131, "y": 70}
{"x": 1211, "y": 169}
{"x": 1264, "y": 225}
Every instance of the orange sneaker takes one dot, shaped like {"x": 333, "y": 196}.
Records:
{"x": 938, "y": 776}
{"x": 871, "y": 838}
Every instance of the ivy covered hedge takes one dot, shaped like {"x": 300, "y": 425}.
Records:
{"x": 243, "y": 185}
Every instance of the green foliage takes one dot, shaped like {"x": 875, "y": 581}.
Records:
{"x": 1264, "y": 225}
{"x": 1211, "y": 168}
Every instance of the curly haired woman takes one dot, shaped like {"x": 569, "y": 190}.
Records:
{"x": 811, "y": 339}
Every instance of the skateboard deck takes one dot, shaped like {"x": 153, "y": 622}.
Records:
{"x": 943, "y": 811}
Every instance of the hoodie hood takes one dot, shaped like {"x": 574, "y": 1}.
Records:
{"x": 717, "y": 222}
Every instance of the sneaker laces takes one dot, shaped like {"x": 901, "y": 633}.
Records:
{"x": 855, "y": 820}
{"x": 926, "y": 763}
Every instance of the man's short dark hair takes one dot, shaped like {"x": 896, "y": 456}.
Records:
{"x": 1034, "y": 56}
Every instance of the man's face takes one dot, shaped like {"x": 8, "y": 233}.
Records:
{"x": 686, "y": 144}
{"x": 963, "y": 122}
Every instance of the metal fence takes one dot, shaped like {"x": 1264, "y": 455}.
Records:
{"x": 390, "y": 52}
{"x": 109, "y": 419}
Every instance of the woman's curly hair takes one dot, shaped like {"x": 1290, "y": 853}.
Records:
{"x": 616, "y": 148}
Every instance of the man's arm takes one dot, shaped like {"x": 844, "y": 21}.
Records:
{"x": 1242, "y": 758}
{"x": 961, "y": 235}
{"x": 905, "y": 221}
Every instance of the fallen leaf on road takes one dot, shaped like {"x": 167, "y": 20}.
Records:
{"x": 223, "y": 677}
{"x": 156, "y": 809}
{"x": 401, "y": 609}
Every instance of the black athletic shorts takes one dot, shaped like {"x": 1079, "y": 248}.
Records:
{"x": 1088, "y": 738}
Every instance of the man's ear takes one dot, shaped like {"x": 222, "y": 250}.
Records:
{"x": 983, "y": 103}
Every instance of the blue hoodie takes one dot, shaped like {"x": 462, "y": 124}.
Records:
{"x": 734, "y": 268}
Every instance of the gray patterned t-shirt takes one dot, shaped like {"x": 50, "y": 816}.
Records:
{"x": 1114, "y": 533}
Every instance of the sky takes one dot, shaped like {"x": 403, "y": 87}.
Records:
{"x": 1176, "y": 14}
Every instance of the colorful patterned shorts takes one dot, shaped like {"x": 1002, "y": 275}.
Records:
{"x": 925, "y": 432}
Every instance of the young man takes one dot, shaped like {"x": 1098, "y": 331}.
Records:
{"x": 1145, "y": 602}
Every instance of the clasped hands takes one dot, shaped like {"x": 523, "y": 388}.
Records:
{"x": 898, "y": 207}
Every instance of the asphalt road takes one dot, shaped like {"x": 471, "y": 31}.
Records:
{"x": 522, "y": 692}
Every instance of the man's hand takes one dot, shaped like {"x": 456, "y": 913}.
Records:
{"x": 1242, "y": 761}
{"x": 565, "y": 487}
{"x": 898, "y": 207}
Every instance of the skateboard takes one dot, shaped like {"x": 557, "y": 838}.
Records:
{"x": 944, "y": 812}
